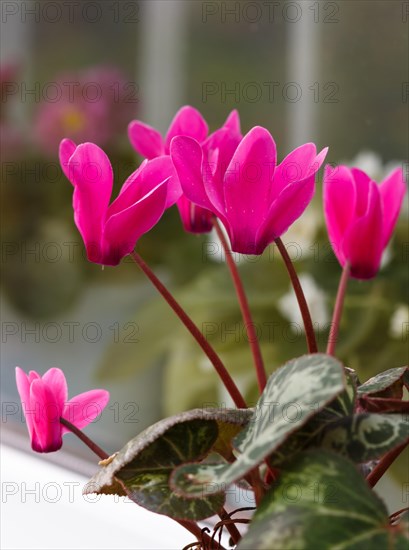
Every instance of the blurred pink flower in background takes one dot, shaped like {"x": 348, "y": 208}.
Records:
{"x": 11, "y": 141}
{"x": 92, "y": 105}
{"x": 8, "y": 76}
{"x": 11, "y": 136}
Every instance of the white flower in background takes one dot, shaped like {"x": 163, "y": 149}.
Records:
{"x": 316, "y": 300}
{"x": 386, "y": 256}
{"x": 213, "y": 248}
{"x": 370, "y": 162}
{"x": 404, "y": 212}
{"x": 391, "y": 165}
{"x": 399, "y": 327}
{"x": 300, "y": 237}
{"x": 204, "y": 364}
{"x": 243, "y": 381}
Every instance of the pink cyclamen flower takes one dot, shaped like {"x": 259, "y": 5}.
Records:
{"x": 149, "y": 143}
{"x": 361, "y": 216}
{"x": 44, "y": 401}
{"x": 109, "y": 231}
{"x": 255, "y": 199}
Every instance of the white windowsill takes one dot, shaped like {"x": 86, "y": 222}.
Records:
{"x": 42, "y": 507}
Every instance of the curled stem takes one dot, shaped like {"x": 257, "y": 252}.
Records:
{"x": 206, "y": 541}
{"x": 230, "y": 526}
{"x": 244, "y": 307}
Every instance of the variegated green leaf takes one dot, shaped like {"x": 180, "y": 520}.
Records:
{"x": 385, "y": 384}
{"x": 344, "y": 404}
{"x": 321, "y": 502}
{"x": 365, "y": 437}
{"x": 294, "y": 393}
{"x": 142, "y": 468}
{"x": 309, "y": 434}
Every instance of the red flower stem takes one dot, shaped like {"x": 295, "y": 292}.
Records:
{"x": 84, "y": 438}
{"x": 244, "y": 307}
{"x": 302, "y": 302}
{"x": 384, "y": 464}
{"x": 253, "y": 478}
{"x": 194, "y": 331}
{"x": 339, "y": 304}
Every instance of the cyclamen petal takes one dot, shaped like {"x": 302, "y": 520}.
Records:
{"x": 291, "y": 195}
{"x": 155, "y": 171}
{"x": 145, "y": 140}
{"x": 92, "y": 176}
{"x": 247, "y": 186}
{"x": 255, "y": 200}
{"x": 84, "y": 408}
{"x": 23, "y": 388}
{"x": 48, "y": 410}
{"x": 44, "y": 403}
{"x": 121, "y": 232}
{"x": 392, "y": 191}
{"x": 233, "y": 122}
{"x": 187, "y": 157}
{"x": 361, "y": 216}
{"x": 67, "y": 148}
{"x": 146, "y": 178}
{"x": 187, "y": 122}
{"x": 285, "y": 210}
{"x": 294, "y": 167}
{"x": 111, "y": 232}
{"x": 362, "y": 244}
{"x": 195, "y": 207}
{"x": 339, "y": 205}
{"x": 218, "y": 149}
{"x": 23, "y": 385}
{"x": 55, "y": 378}
{"x": 195, "y": 219}
{"x": 362, "y": 190}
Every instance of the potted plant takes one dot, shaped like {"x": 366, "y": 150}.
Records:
{"x": 307, "y": 454}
